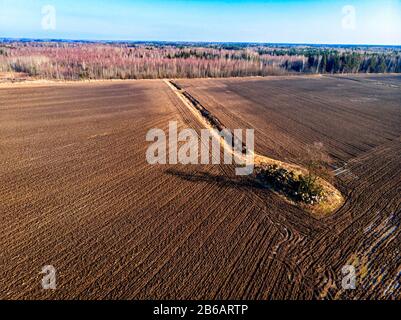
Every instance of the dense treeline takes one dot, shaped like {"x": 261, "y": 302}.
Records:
{"x": 74, "y": 61}
{"x": 334, "y": 62}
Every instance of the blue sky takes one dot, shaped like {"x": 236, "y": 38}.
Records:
{"x": 285, "y": 21}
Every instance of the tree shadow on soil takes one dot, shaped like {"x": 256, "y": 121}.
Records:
{"x": 246, "y": 183}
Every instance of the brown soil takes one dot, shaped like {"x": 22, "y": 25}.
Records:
{"x": 76, "y": 193}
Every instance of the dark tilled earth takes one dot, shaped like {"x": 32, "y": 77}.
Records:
{"x": 77, "y": 193}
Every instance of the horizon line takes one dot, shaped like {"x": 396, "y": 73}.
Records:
{"x": 197, "y": 42}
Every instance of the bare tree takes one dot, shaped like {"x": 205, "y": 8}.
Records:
{"x": 317, "y": 161}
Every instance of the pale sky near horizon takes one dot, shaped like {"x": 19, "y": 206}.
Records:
{"x": 271, "y": 21}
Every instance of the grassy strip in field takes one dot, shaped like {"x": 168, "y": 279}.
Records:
{"x": 331, "y": 198}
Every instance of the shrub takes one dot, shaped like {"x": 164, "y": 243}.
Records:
{"x": 300, "y": 188}
{"x": 308, "y": 190}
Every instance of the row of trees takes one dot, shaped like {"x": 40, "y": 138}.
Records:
{"x": 74, "y": 61}
{"x": 353, "y": 63}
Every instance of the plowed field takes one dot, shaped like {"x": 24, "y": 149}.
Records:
{"x": 77, "y": 193}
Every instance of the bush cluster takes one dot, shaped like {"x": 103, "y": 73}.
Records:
{"x": 300, "y": 188}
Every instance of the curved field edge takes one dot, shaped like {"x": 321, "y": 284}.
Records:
{"x": 333, "y": 199}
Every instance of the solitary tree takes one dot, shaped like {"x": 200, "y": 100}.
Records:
{"x": 317, "y": 161}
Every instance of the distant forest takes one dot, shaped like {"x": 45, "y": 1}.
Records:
{"x": 60, "y": 60}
